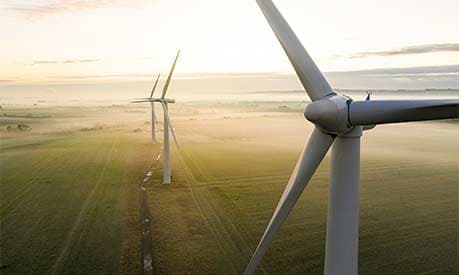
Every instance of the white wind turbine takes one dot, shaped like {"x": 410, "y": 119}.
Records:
{"x": 153, "y": 114}
{"x": 339, "y": 121}
{"x": 167, "y": 122}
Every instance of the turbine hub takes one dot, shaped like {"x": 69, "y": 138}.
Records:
{"x": 166, "y": 100}
{"x": 330, "y": 114}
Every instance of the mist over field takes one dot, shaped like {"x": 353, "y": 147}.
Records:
{"x": 214, "y": 87}
{"x": 98, "y": 175}
{"x": 83, "y": 149}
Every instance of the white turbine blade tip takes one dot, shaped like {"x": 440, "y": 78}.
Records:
{"x": 169, "y": 77}
{"x": 154, "y": 86}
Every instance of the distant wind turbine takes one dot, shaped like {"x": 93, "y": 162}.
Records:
{"x": 153, "y": 115}
{"x": 339, "y": 121}
{"x": 167, "y": 122}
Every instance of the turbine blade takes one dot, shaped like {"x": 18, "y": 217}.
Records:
{"x": 153, "y": 113}
{"x": 156, "y": 119}
{"x": 154, "y": 86}
{"x": 312, "y": 155}
{"x": 141, "y": 101}
{"x": 153, "y": 119}
{"x": 170, "y": 124}
{"x": 310, "y": 76}
{"x": 169, "y": 77}
{"x": 145, "y": 99}
{"x": 394, "y": 111}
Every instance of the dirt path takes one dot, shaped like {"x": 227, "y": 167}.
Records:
{"x": 145, "y": 222}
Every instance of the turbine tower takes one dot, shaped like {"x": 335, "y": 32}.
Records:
{"x": 339, "y": 121}
{"x": 167, "y": 122}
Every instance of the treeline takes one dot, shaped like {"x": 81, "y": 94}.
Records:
{"x": 24, "y": 116}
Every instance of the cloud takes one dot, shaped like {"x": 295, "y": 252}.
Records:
{"x": 71, "y": 61}
{"x": 414, "y": 78}
{"x": 419, "y": 49}
{"x": 423, "y": 70}
{"x": 68, "y": 61}
{"x": 446, "y": 71}
{"x": 48, "y": 7}
{"x": 446, "y": 76}
{"x": 185, "y": 76}
{"x": 41, "y": 62}
{"x": 100, "y": 76}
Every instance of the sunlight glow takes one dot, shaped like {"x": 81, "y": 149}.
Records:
{"x": 141, "y": 37}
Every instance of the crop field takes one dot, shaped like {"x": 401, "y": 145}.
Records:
{"x": 70, "y": 202}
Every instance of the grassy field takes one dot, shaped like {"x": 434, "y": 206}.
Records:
{"x": 230, "y": 174}
{"x": 69, "y": 196}
{"x": 69, "y": 192}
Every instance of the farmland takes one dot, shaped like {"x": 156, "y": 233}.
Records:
{"x": 69, "y": 196}
{"x": 69, "y": 193}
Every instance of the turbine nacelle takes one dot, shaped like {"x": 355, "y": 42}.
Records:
{"x": 330, "y": 114}
{"x": 155, "y": 99}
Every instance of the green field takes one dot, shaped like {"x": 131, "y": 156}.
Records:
{"x": 232, "y": 173}
{"x": 69, "y": 193}
{"x": 69, "y": 201}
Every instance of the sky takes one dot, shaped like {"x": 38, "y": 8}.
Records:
{"x": 94, "y": 41}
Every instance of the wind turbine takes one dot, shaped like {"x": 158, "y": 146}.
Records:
{"x": 167, "y": 122}
{"x": 339, "y": 121}
{"x": 153, "y": 115}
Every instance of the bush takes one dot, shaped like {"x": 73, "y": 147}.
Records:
{"x": 18, "y": 128}
{"x": 283, "y": 108}
{"x": 95, "y": 128}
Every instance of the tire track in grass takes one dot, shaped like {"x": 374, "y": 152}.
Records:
{"x": 21, "y": 191}
{"x": 36, "y": 169}
{"x": 203, "y": 200}
{"x": 83, "y": 212}
{"x": 190, "y": 178}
